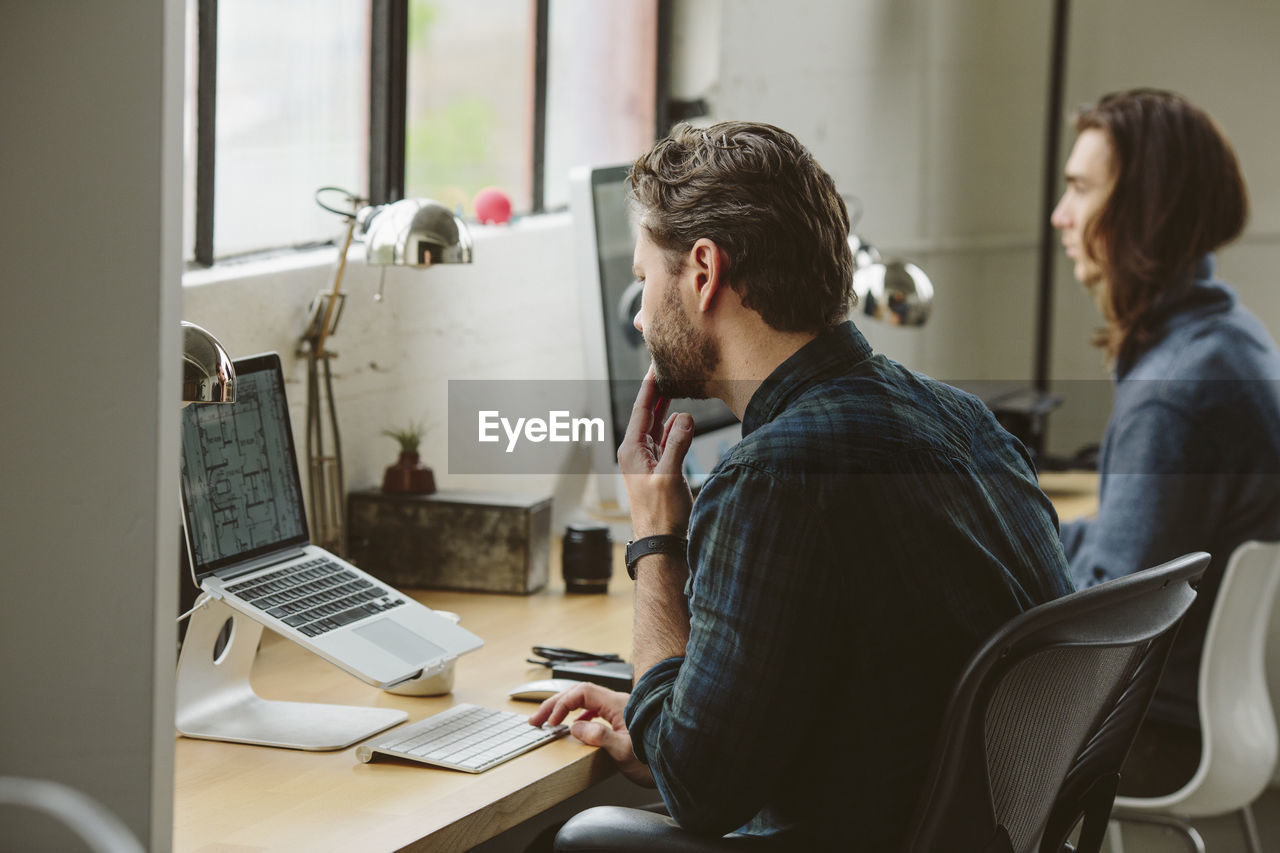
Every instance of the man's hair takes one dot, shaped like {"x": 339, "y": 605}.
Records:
{"x": 759, "y": 194}
{"x": 1178, "y": 195}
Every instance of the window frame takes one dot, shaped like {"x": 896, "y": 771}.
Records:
{"x": 206, "y": 127}
{"x": 388, "y": 82}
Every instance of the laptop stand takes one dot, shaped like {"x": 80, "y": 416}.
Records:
{"x": 216, "y": 702}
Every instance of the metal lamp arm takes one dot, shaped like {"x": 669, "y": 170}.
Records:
{"x": 317, "y": 344}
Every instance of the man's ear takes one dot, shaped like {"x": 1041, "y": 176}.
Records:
{"x": 710, "y": 268}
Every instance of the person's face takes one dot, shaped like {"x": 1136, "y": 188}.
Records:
{"x": 1090, "y": 176}
{"x": 683, "y": 355}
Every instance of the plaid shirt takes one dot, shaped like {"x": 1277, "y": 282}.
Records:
{"x": 846, "y": 559}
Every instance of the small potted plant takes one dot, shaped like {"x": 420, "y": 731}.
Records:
{"x": 408, "y": 475}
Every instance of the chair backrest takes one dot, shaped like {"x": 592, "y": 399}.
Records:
{"x": 1041, "y": 720}
{"x": 99, "y": 829}
{"x": 1237, "y": 723}
{"x": 1272, "y": 662}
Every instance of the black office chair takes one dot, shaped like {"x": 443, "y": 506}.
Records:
{"x": 1036, "y": 732}
{"x": 1031, "y": 742}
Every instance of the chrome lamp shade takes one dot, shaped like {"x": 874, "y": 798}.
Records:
{"x": 892, "y": 291}
{"x": 208, "y": 375}
{"x": 414, "y": 232}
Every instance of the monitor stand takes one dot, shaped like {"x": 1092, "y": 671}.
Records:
{"x": 216, "y": 702}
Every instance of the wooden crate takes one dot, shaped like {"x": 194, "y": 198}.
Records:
{"x": 451, "y": 540}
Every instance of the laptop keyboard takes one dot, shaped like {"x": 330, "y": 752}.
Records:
{"x": 465, "y": 737}
{"x": 316, "y": 596}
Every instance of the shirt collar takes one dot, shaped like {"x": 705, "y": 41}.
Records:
{"x": 830, "y": 354}
{"x": 1201, "y": 295}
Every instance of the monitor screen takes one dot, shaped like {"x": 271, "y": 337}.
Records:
{"x": 241, "y": 494}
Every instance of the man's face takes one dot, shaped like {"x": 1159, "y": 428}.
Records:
{"x": 1090, "y": 178}
{"x": 684, "y": 356}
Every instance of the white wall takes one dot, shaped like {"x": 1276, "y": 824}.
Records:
{"x": 1222, "y": 56}
{"x": 933, "y": 113}
{"x": 89, "y": 366}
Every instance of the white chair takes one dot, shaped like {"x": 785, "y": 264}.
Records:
{"x": 1273, "y": 671}
{"x": 1237, "y": 725}
{"x": 89, "y": 820}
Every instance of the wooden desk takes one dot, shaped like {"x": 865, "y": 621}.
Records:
{"x": 238, "y": 797}
{"x": 1074, "y": 493}
{"x": 233, "y": 797}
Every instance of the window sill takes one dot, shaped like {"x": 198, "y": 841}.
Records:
{"x": 291, "y": 260}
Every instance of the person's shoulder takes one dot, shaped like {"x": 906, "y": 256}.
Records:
{"x": 1225, "y": 345}
{"x": 1207, "y": 369}
{"x": 796, "y": 441}
{"x": 851, "y": 423}
{"x": 1240, "y": 337}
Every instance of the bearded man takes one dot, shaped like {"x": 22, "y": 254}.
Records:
{"x": 799, "y": 627}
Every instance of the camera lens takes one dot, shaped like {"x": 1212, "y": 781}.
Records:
{"x": 587, "y": 558}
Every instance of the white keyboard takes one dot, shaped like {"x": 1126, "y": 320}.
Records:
{"x": 465, "y": 737}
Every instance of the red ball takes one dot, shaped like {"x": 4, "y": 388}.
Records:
{"x": 493, "y": 206}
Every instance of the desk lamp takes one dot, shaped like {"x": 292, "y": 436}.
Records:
{"x": 208, "y": 376}
{"x": 892, "y": 291}
{"x": 410, "y": 232}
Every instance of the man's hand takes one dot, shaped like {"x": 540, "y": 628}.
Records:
{"x": 600, "y": 724}
{"x": 652, "y": 461}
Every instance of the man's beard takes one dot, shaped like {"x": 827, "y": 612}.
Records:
{"x": 683, "y": 357}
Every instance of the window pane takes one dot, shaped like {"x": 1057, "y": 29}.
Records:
{"x": 293, "y": 116}
{"x": 469, "y": 110}
{"x": 601, "y": 87}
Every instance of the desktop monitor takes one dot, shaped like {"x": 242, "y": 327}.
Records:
{"x": 604, "y": 240}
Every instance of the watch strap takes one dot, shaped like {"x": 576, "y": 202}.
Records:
{"x": 660, "y": 544}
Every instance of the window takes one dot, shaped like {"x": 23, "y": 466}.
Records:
{"x": 436, "y": 98}
{"x": 292, "y": 116}
{"x": 601, "y": 87}
{"x": 469, "y": 112}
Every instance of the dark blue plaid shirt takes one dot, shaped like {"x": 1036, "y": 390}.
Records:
{"x": 846, "y": 559}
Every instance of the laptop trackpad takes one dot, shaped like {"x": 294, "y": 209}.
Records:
{"x": 400, "y": 641}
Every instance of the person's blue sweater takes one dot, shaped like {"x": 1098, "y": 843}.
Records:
{"x": 1190, "y": 460}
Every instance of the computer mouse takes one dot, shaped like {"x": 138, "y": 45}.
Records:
{"x": 536, "y": 691}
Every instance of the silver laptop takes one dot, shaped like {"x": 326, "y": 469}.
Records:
{"x": 247, "y": 540}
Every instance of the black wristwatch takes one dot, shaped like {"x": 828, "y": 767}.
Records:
{"x": 665, "y": 544}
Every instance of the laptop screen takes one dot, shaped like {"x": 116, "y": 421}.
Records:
{"x": 241, "y": 495}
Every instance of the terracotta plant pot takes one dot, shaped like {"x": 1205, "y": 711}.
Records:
{"x": 408, "y": 476}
